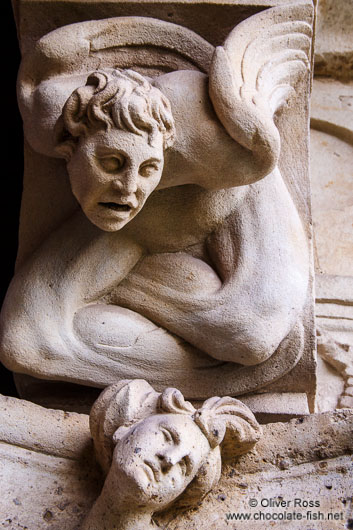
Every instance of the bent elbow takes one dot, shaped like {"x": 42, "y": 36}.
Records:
{"x": 15, "y": 352}
{"x": 248, "y": 351}
{"x": 20, "y": 346}
{"x": 247, "y": 343}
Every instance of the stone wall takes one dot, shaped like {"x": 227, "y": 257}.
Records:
{"x": 332, "y": 200}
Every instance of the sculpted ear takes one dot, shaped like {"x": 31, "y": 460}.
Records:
{"x": 228, "y": 422}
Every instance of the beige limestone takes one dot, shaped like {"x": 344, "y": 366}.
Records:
{"x": 308, "y": 459}
{"x": 23, "y": 424}
{"x": 334, "y": 309}
{"x": 331, "y": 108}
{"x": 36, "y": 18}
{"x": 48, "y": 474}
{"x": 269, "y": 407}
{"x": 330, "y": 385}
{"x": 157, "y": 449}
{"x": 340, "y": 357}
{"x": 47, "y": 488}
{"x": 212, "y": 295}
{"x": 332, "y": 176}
{"x": 334, "y": 41}
{"x": 332, "y": 187}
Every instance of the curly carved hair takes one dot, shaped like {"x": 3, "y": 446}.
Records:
{"x": 228, "y": 425}
{"x": 123, "y": 99}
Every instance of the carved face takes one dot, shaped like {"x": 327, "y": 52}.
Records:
{"x": 156, "y": 459}
{"x": 112, "y": 174}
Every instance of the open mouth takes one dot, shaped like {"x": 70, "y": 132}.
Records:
{"x": 116, "y": 206}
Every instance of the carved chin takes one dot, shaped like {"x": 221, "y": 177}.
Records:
{"x": 144, "y": 490}
{"x": 139, "y": 486}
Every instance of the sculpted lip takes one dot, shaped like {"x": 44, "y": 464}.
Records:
{"x": 154, "y": 468}
{"x": 116, "y": 206}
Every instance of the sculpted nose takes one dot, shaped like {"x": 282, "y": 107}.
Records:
{"x": 171, "y": 457}
{"x": 127, "y": 183}
{"x": 166, "y": 462}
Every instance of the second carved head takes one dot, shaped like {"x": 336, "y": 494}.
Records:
{"x": 156, "y": 447}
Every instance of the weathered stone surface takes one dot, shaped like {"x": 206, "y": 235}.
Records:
{"x": 220, "y": 282}
{"x": 339, "y": 356}
{"x": 35, "y": 18}
{"x": 331, "y": 108}
{"x": 24, "y": 424}
{"x": 308, "y": 458}
{"x": 332, "y": 188}
{"x": 334, "y": 42}
{"x": 157, "y": 450}
{"x": 48, "y": 473}
{"x": 54, "y": 480}
{"x": 270, "y": 407}
{"x": 332, "y": 175}
{"x": 334, "y": 310}
{"x": 328, "y": 485}
{"x": 330, "y": 385}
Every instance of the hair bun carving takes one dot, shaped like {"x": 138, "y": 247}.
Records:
{"x": 228, "y": 422}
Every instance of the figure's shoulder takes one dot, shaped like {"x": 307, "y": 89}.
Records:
{"x": 180, "y": 78}
{"x": 185, "y": 89}
{"x": 201, "y": 140}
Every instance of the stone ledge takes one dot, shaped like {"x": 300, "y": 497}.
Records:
{"x": 45, "y": 483}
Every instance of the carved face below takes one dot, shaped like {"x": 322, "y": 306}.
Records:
{"x": 156, "y": 459}
{"x": 112, "y": 174}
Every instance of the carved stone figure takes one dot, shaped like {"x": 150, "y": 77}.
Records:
{"x": 115, "y": 129}
{"x": 153, "y": 446}
{"x": 205, "y": 287}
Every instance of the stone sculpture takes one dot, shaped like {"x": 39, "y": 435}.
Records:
{"x": 205, "y": 287}
{"x": 153, "y": 446}
{"x": 184, "y": 266}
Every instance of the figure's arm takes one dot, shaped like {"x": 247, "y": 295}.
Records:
{"x": 226, "y": 122}
{"x": 76, "y": 266}
{"x": 242, "y": 307}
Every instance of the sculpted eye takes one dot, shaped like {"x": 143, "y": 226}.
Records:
{"x": 112, "y": 164}
{"x": 167, "y": 435}
{"x": 147, "y": 170}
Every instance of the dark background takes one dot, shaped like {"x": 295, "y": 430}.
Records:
{"x": 13, "y": 168}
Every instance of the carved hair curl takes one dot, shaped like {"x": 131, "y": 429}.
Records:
{"x": 115, "y": 98}
{"x": 226, "y": 423}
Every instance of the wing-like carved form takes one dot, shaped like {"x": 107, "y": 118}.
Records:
{"x": 61, "y": 61}
{"x": 254, "y": 73}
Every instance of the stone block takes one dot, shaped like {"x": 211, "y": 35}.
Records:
{"x": 213, "y": 292}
